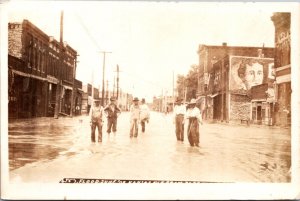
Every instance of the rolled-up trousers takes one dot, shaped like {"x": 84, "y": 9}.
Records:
{"x": 97, "y": 124}
{"x": 111, "y": 124}
{"x": 134, "y": 127}
{"x": 193, "y": 131}
{"x": 179, "y": 127}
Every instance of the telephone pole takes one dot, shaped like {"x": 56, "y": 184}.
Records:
{"x": 173, "y": 91}
{"x": 106, "y": 92}
{"x": 104, "y": 53}
{"x": 61, "y": 63}
{"x": 114, "y": 87}
{"x": 118, "y": 70}
{"x": 73, "y": 91}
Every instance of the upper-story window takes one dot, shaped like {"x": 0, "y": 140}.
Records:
{"x": 30, "y": 51}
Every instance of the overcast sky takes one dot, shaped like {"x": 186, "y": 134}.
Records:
{"x": 148, "y": 40}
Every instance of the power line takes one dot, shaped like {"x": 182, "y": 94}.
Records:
{"x": 91, "y": 37}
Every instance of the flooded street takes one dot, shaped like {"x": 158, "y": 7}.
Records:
{"x": 48, "y": 150}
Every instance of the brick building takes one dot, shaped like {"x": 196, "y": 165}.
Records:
{"x": 282, "y": 68}
{"x": 36, "y": 65}
{"x": 214, "y": 94}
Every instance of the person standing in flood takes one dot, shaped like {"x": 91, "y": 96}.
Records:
{"x": 96, "y": 113}
{"x": 193, "y": 114}
{"x": 112, "y": 113}
{"x": 135, "y": 112}
{"x": 179, "y": 113}
{"x": 145, "y": 114}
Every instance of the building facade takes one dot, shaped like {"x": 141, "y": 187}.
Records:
{"x": 38, "y": 66}
{"x": 214, "y": 61}
{"x": 282, "y": 66}
{"x": 241, "y": 88}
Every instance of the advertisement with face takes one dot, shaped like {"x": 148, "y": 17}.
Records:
{"x": 246, "y": 72}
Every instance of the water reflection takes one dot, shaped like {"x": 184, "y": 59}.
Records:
{"x": 23, "y": 153}
{"x": 31, "y": 140}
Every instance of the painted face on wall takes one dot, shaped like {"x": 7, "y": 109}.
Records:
{"x": 254, "y": 75}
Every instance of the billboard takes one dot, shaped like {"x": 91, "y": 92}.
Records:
{"x": 246, "y": 72}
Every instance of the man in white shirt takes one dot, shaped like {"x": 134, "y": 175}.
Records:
{"x": 193, "y": 114}
{"x": 179, "y": 113}
{"x": 135, "y": 113}
{"x": 145, "y": 114}
{"x": 96, "y": 114}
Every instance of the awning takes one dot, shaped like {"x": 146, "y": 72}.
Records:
{"x": 80, "y": 90}
{"x": 28, "y": 75}
{"x": 213, "y": 95}
{"x": 20, "y": 73}
{"x": 68, "y": 87}
{"x": 38, "y": 77}
{"x": 52, "y": 79}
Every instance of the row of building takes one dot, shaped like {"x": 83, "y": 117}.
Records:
{"x": 41, "y": 76}
{"x": 247, "y": 83}
{"x": 124, "y": 99}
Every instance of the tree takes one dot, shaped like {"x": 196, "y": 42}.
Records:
{"x": 180, "y": 85}
{"x": 189, "y": 83}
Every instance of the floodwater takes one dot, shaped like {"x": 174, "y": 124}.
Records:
{"x": 48, "y": 150}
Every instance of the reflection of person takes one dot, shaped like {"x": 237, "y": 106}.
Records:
{"x": 135, "y": 112}
{"x": 251, "y": 73}
{"x": 179, "y": 112}
{"x": 112, "y": 113}
{"x": 193, "y": 114}
{"x": 96, "y": 114}
{"x": 145, "y": 114}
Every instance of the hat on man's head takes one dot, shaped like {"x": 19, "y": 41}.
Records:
{"x": 136, "y": 99}
{"x": 178, "y": 100}
{"x": 97, "y": 100}
{"x": 112, "y": 99}
{"x": 193, "y": 101}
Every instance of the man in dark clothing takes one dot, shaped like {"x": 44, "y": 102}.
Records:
{"x": 112, "y": 112}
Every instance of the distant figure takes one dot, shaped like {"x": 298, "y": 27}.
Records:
{"x": 112, "y": 113}
{"x": 179, "y": 113}
{"x": 145, "y": 114}
{"x": 96, "y": 114}
{"x": 90, "y": 101}
{"x": 77, "y": 110}
{"x": 134, "y": 117}
{"x": 193, "y": 114}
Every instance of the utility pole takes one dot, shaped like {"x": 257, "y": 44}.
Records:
{"x": 106, "y": 91}
{"x": 173, "y": 91}
{"x": 114, "y": 87}
{"x": 73, "y": 91}
{"x": 104, "y": 52}
{"x": 185, "y": 92}
{"x": 58, "y": 88}
{"x": 118, "y": 70}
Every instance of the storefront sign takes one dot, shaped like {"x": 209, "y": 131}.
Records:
{"x": 52, "y": 79}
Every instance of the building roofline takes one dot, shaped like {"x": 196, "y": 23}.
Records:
{"x": 26, "y": 22}
{"x": 230, "y": 47}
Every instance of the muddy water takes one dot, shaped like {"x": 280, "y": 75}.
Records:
{"x": 227, "y": 153}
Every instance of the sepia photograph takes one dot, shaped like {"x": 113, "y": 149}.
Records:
{"x": 149, "y": 100}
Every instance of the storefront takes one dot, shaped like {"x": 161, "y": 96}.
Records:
{"x": 66, "y": 100}
{"x": 27, "y": 95}
{"x": 262, "y": 105}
